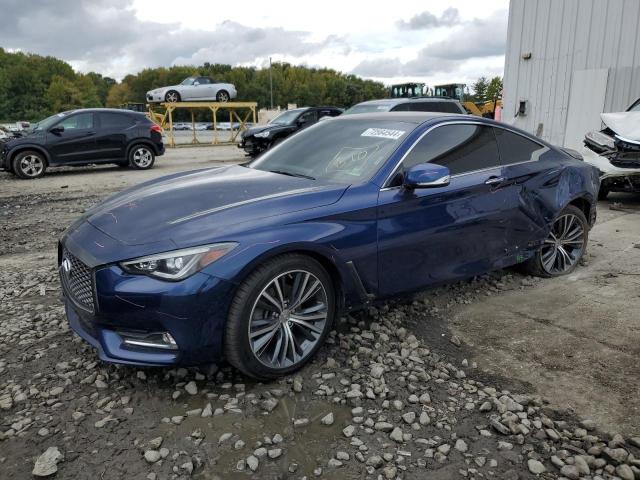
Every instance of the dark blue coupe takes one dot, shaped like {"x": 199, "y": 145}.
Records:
{"x": 253, "y": 263}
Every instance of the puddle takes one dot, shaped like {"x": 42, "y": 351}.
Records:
{"x": 308, "y": 446}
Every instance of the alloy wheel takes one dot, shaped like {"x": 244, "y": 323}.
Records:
{"x": 31, "y": 165}
{"x": 172, "y": 97}
{"x": 288, "y": 319}
{"x": 142, "y": 157}
{"x": 223, "y": 97}
{"x": 564, "y": 246}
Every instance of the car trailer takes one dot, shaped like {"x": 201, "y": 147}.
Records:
{"x": 242, "y": 112}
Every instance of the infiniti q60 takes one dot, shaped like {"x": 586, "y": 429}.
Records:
{"x": 254, "y": 263}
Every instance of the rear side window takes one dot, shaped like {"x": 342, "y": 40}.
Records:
{"x": 516, "y": 148}
{"x": 115, "y": 120}
{"x": 461, "y": 148}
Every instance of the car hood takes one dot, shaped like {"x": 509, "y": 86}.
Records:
{"x": 188, "y": 208}
{"x": 262, "y": 128}
{"x": 163, "y": 89}
{"x": 27, "y": 138}
{"x": 625, "y": 124}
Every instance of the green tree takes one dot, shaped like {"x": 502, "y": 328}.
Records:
{"x": 494, "y": 89}
{"x": 119, "y": 94}
{"x": 480, "y": 87}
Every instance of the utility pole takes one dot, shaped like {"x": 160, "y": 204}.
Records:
{"x": 270, "y": 83}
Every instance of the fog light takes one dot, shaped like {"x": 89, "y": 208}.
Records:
{"x": 162, "y": 340}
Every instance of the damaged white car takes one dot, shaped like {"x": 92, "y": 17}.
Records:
{"x": 615, "y": 151}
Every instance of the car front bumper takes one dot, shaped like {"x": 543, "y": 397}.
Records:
{"x": 613, "y": 178}
{"x": 127, "y": 315}
{"x": 253, "y": 145}
{"x": 154, "y": 97}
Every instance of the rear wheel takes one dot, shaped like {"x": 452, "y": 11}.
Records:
{"x": 564, "y": 247}
{"x": 279, "y": 317}
{"x": 141, "y": 157}
{"x": 29, "y": 165}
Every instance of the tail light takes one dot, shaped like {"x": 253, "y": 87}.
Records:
{"x": 156, "y": 128}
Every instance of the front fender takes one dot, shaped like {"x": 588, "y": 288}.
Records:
{"x": 333, "y": 243}
{"x": 13, "y": 151}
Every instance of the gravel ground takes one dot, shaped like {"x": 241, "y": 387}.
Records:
{"x": 394, "y": 394}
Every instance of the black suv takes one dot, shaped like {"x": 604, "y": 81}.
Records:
{"x": 258, "y": 139}
{"x": 84, "y": 137}
{"x": 417, "y": 104}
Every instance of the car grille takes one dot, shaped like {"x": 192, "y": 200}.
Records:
{"x": 76, "y": 280}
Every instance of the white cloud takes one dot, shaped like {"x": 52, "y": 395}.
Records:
{"x": 116, "y": 37}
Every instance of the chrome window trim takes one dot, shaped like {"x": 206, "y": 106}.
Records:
{"x": 458, "y": 122}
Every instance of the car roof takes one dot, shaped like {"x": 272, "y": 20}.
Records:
{"x": 398, "y": 101}
{"x": 107, "y": 110}
{"x": 407, "y": 117}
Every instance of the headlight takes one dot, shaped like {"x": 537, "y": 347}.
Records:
{"x": 263, "y": 134}
{"x": 177, "y": 264}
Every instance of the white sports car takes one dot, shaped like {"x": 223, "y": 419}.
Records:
{"x": 615, "y": 151}
{"x": 194, "y": 89}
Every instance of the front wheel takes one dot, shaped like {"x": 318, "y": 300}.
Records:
{"x": 141, "y": 157}
{"x": 564, "y": 247}
{"x": 279, "y": 317}
{"x": 222, "y": 96}
{"x": 172, "y": 96}
{"x": 29, "y": 165}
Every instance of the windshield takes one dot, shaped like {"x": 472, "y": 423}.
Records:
{"x": 49, "y": 121}
{"x": 188, "y": 81}
{"x": 368, "y": 108}
{"x": 286, "y": 118}
{"x": 342, "y": 151}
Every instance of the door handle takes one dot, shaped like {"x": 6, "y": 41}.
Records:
{"x": 494, "y": 180}
{"x": 91, "y": 133}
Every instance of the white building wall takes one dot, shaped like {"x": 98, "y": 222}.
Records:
{"x": 565, "y": 37}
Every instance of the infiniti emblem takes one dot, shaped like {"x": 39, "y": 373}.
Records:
{"x": 66, "y": 265}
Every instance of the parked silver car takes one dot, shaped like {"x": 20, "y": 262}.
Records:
{"x": 194, "y": 89}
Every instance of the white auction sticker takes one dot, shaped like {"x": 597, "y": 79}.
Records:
{"x": 382, "y": 133}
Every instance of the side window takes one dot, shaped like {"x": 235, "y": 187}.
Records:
{"x": 203, "y": 80}
{"x": 515, "y": 148}
{"x": 309, "y": 117}
{"x": 402, "y": 107}
{"x": 461, "y": 148}
{"x": 115, "y": 120}
{"x": 77, "y": 122}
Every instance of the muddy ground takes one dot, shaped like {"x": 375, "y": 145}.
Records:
{"x": 503, "y": 376}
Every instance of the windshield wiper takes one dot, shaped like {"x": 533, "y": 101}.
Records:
{"x": 292, "y": 174}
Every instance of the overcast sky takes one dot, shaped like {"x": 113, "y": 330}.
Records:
{"x": 434, "y": 42}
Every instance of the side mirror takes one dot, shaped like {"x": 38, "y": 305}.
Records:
{"x": 57, "y": 130}
{"x": 426, "y": 175}
{"x": 195, "y": 84}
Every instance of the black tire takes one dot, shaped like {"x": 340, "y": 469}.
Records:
{"x": 172, "y": 96}
{"x": 535, "y": 266}
{"x": 603, "y": 193}
{"x": 29, "y": 165}
{"x": 237, "y": 347}
{"x": 141, "y": 157}
{"x": 222, "y": 96}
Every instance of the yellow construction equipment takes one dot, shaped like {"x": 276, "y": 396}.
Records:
{"x": 162, "y": 114}
{"x": 457, "y": 91}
